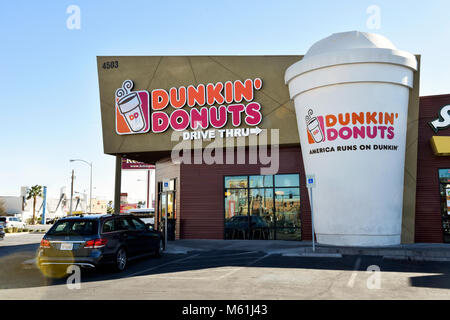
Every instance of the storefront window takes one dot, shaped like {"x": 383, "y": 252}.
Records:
{"x": 236, "y": 203}
{"x": 287, "y": 205}
{"x": 261, "y": 181}
{"x": 236, "y": 182}
{"x": 444, "y": 189}
{"x": 261, "y": 211}
{"x": 287, "y": 180}
{"x": 444, "y": 175}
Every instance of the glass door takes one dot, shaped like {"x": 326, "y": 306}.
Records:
{"x": 170, "y": 204}
{"x": 167, "y": 205}
{"x": 162, "y": 209}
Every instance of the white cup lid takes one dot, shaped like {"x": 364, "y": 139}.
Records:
{"x": 350, "y": 47}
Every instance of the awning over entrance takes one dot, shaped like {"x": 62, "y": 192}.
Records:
{"x": 441, "y": 145}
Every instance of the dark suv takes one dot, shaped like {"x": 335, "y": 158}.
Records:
{"x": 93, "y": 240}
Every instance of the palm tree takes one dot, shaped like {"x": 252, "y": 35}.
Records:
{"x": 34, "y": 192}
{"x": 110, "y": 207}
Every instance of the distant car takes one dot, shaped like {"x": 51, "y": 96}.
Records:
{"x": 51, "y": 220}
{"x": 13, "y": 222}
{"x": 145, "y": 214}
{"x": 242, "y": 222}
{"x": 99, "y": 239}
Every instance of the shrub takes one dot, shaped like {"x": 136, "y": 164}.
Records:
{"x": 14, "y": 229}
{"x": 8, "y": 230}
{"x": 25, "y": 230}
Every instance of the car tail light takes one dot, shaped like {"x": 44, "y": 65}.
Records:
{"x": 95, "y": 244}
{"x": 45, "y": 243}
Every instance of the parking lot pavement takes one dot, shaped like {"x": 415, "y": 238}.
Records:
{"x": 227, "y": 272}
{"x": 19, "y": 243}
{"x": 236, "y": 274}
{"x": 20, "y": 238}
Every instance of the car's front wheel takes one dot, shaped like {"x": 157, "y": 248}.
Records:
{"x": 121, "y": 260}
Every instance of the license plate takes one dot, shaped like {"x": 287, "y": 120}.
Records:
{"x": 66, "y": 246}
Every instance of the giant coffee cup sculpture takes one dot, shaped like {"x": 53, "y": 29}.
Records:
{"x": 352, "y": 89}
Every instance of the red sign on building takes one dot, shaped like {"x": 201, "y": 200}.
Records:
{"x": 128, "y": 164}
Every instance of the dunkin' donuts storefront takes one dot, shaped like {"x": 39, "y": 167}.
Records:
{"x": 233, "y": 138}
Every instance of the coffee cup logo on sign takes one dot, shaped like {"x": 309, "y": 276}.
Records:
{"x": 314, "y": 128}
{"x": 132, "y": 110}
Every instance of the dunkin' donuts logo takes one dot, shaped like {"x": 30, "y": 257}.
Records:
{"x": 192, "y": 107}
{"x": 350, "y": 125}
{"x": 132, "y": 110}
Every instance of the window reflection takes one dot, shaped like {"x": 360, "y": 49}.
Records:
{"x": 260, "y": 211}
{"x": 236, "y": 213}
{"x": 236, "y": 182}
{"x": 261, "y": 181}
{"x": 235, "y": 203}
{"x": 287, "y": 180}
{"x": 287, "y": 207}
{"x": 444, "y": 189}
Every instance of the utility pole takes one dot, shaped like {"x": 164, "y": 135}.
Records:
{"x": 71, "y": 193}
{"x": 90, "y": 192}
{"x": 90, "y": 182}
{"x": 117, "y": 184}
{"x": 44, "y": 204}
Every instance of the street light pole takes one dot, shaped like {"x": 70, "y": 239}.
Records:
{"x": 71, "y": 193}
{"x": 90, "y": 182}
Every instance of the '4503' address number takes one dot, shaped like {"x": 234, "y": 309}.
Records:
{"x": 110, "y": 65}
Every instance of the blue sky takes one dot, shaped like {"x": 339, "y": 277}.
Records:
{"x": 49, "y": 86}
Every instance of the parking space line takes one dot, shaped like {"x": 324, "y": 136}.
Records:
{"x": 247, "y": 265}
{"x": 351, "y": 281}
{"x": 162, "y": 265}
{"x": 182, "y": 278}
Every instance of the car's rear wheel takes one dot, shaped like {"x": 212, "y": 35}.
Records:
{"x": 159, "y": 251}
{"x": 121, "y": 260}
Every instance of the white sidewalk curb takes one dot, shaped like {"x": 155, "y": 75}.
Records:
{"x": 7, "y": 235}
{"x": 313, "y": 255}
